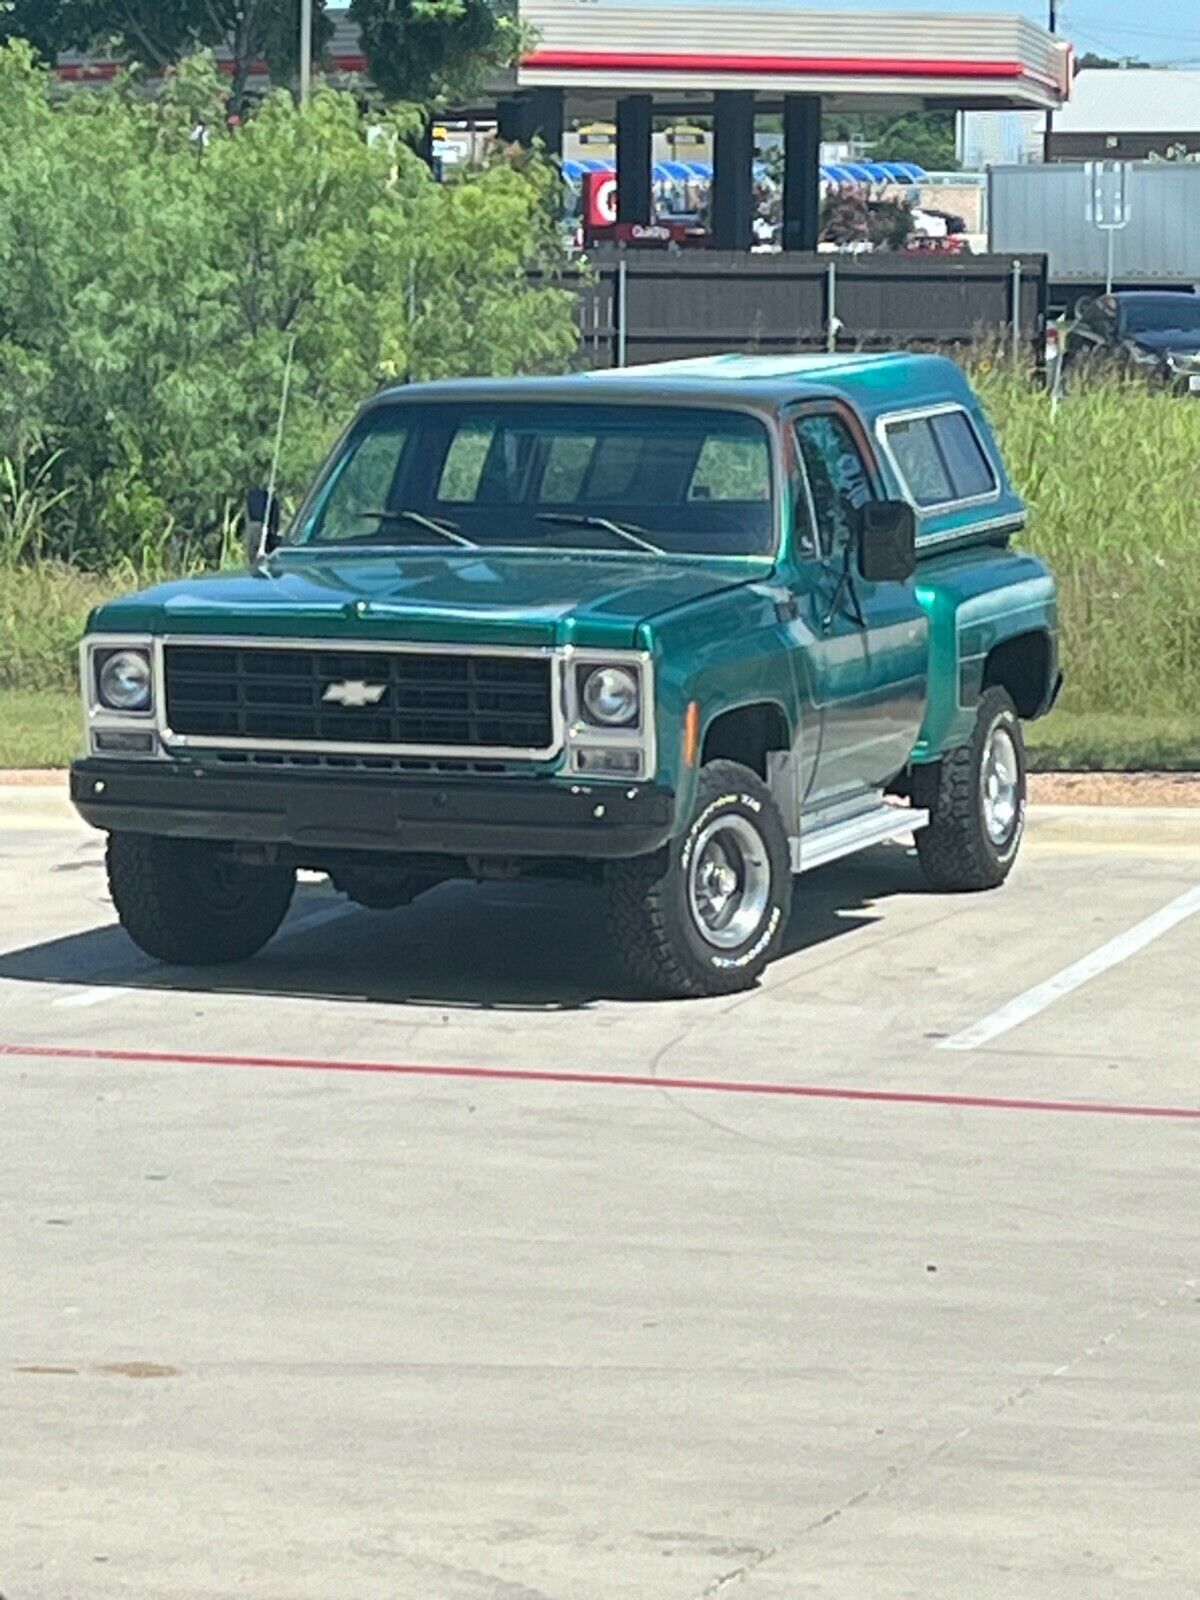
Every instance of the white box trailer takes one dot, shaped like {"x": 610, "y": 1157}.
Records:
{"x": 1147, "y": 213}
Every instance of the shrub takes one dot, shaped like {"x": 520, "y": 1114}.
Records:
{"x": 154, "y": 285}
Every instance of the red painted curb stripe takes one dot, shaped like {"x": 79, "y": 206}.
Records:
{"x": 615, "y": 1080}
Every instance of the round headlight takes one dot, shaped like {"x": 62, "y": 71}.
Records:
{"x": 610, "y": 696}
{"x": 124, "y": 681}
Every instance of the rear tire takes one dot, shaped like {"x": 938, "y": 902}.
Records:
{"x": 976, "y": 797}
{"x": 707, "y": 913}
{"x": 180, "y": 902}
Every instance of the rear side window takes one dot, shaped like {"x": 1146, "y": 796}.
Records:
{"x": 940, "y": 458}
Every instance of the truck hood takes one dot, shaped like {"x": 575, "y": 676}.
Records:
{"x": 470, "y": 597}
{"x": 1176, "y": 341}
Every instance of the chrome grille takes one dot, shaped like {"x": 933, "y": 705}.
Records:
{"x": 250, "y": 694}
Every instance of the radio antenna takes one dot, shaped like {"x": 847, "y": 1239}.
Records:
{"x": 283, "y": 405}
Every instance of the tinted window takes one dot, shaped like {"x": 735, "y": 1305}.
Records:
{"x": 920, "y": 462}
{"x": 732, "y": 469}
{"x": 941, "y": 459}
{"x": 837, "y": 478}
{"x": 1167, "y": 313}
{"x": 969, "y": 468}
{"x": 362, "y": 484}
{"x": 690, "y": 480}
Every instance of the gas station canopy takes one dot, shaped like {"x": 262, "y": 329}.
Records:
{"x": 773, "y": 48}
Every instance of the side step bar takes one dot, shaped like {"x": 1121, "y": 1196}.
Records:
{"x": 829, "y": 838}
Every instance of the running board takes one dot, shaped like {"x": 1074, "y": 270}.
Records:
{"x": 829, "y": 839}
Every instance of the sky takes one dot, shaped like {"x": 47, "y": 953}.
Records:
{"x": 1152, "y": 30}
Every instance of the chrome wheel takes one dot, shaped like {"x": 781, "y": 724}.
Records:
{"x": 1001, "y": 787}
{"x": 729, "y": 883}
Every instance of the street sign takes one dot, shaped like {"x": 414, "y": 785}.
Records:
{"x": 1108, "y": 206}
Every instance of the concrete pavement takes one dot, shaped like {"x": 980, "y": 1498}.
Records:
{"x": 288, "y": 1333}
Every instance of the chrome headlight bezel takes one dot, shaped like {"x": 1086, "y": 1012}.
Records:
{"x": 104, "y": 661}
{"x": 614, "y": 676}
{"x": 119, "y": 731}
{"x": 631, "y": 742}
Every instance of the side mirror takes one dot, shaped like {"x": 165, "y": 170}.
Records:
{"x": 887, "y": 541}
{"x": 262, "y": 524}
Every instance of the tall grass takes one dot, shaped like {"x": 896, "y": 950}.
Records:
{"x": 1113, "y": 484}
{"x": 1114, "y": 489}
{"x": 43, "y": 609}
{"x": 27, "y": 501}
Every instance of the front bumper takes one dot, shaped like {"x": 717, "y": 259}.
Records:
{"x": 316, "y": 812}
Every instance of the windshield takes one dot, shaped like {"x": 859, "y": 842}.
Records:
{"x": 548, "y": 476}
{"x": 1170, "y": 313}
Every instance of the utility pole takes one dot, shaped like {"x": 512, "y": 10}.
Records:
{"x": 306, "y": 50}
{"x": 1050, "y": 114}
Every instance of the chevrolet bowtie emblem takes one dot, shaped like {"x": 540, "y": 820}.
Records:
{"x": 353, "y": 693}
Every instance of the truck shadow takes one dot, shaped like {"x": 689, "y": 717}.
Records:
{"x": 541, "y": 947}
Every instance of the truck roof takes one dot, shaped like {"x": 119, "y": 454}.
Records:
{"x": 886, "y": 381}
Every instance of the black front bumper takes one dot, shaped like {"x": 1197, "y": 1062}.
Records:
{"x": 316, "y": 812}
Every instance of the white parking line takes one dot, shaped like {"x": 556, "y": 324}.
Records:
{"x": 101, "y": 994}
{"x": 89, "y": 997}
{"x": 1074, "y": 977}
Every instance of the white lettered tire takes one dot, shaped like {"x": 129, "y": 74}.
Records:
{"x": 707, "y": 914}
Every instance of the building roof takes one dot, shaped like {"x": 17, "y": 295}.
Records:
{"x": 1107, "y": 100}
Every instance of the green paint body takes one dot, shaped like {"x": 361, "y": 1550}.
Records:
{"x": 859, "y": 705}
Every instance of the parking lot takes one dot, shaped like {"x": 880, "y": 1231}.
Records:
{"x": 417, "y": 1258}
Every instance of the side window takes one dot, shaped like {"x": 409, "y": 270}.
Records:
{"x": 940, "y": 458}
{"x": 837, "y": 478}
{"x": 920, "y": 462}
{"x": 466, "y": 458}
{"x": 615, "y": 471}
{"x": 969, "y": 468}
{"x": 730, "y": 468}
{"x": 568, "y": 457}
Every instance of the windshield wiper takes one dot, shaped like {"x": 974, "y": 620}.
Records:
{"x": 621, "y": 530}
{"x": 434, "y": 524}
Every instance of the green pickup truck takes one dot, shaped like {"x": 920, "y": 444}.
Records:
{"x": 687, "y": 630}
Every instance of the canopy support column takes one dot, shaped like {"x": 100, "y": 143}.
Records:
{"x": 801, "y": 171}
{"x": 733, "y": 169}
{"x": 536, "y": 114}
{"x": 635, "y": 157}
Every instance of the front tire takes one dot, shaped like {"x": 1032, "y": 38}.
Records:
{"x": 706, "y": 914}
{"x": 180, "y": 902}
{"x": 977, "y": 798}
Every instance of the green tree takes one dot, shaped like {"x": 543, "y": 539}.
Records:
{"x": 158, "y": 33}
{"x": 153, "y": 290}
{"x": 421, "y": 50}
{"x": 927, "y": 139}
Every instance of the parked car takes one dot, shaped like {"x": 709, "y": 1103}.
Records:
{"x": 687, "y": 630}
{"x": 1152, "y": 333}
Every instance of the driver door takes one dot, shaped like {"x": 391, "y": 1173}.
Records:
{"x": 864, "y": 670}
